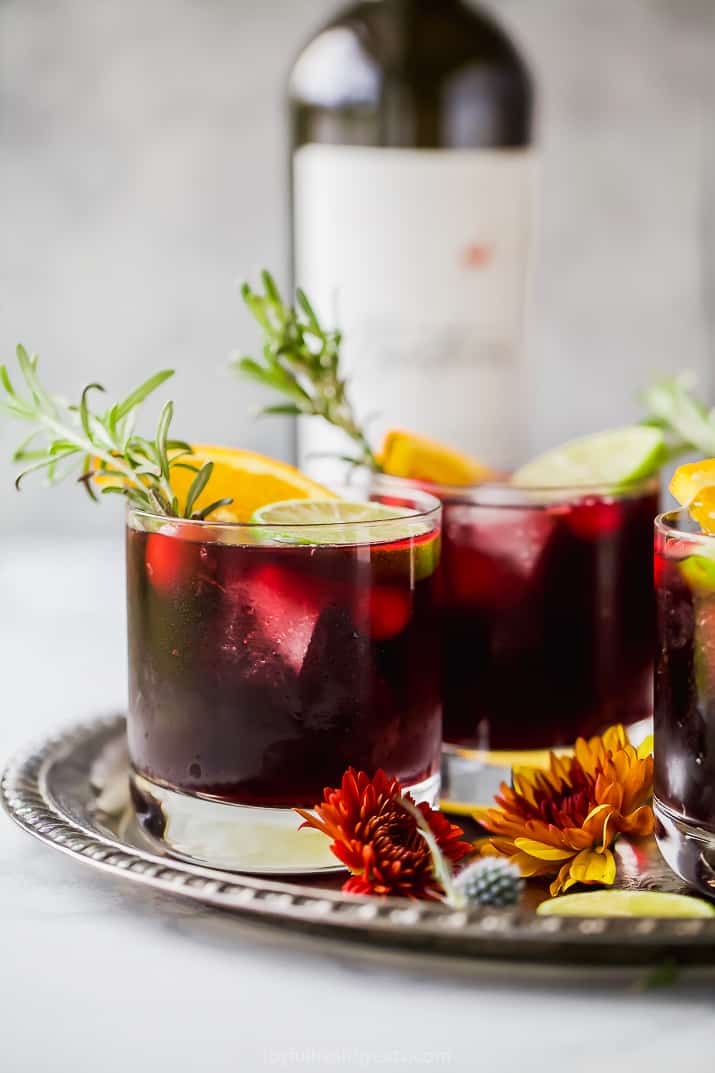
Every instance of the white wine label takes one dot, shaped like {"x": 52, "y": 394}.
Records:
{"x": 420, "y": 258}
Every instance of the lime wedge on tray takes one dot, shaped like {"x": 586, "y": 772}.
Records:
{"x": 626, "y": 903}
{"x": 615, "y": 457}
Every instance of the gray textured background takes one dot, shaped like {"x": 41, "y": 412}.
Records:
{"x": 142, "y": 174}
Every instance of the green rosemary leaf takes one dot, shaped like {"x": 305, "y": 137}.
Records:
{"x": 6, "y": 382}
{"x": 197, "y": 486}
{"x": 23, "y": 451}
{"x": 84, "y": 409}
{"x": 28, "y": 367}
{"x": 162, "y": 437}
{"x": 184, "y": 465}
{"x": 63, "y": 445}
{"x": 270, "y": 287}
{"x": 257, "y": 308}
{"x": 203, "y": 514}
{"x": 686, "y": 421}
{"x": 123, "y": 431}
{"x": 303, "y": 302}
{"x": 141, "y": 449}
{"x": 289, "y": 408}
{"x": 54, "y": 472}
{"x": 67, "y": 439}
{"x": 162, "y": 501}
{"x": 44, "y": 463}
{"x": 27, "y": 456}
{"x": 254, "y": 371}
{"x": 107, "y": 471}
{"x": 273, "y": 376}
{"x": 301, "y": 361}
{"x": 142, "y": 392}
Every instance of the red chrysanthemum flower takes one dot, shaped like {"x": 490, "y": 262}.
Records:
{"x": 378, "y": 839}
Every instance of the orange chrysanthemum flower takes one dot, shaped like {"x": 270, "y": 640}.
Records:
{"x": 565, "y": 819}
{"x": 379, "y": 840}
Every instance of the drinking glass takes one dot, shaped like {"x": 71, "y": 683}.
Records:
{"x": 547, "y": 621}
{"x": 684, "y": 717}
{"x": 264, "y": 660}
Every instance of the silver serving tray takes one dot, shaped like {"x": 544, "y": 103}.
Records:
{"x": 53, "y": 792}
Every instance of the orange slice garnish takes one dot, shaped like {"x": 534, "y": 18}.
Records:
{"x": 404, "y": 454}
{"x": 251, "y": 480}
{"x": 693, "y": 485}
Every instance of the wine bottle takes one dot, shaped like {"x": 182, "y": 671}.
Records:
{"x": 412, "y": 179}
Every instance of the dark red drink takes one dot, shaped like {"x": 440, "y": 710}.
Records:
{"x": 547, "y": 616}
{"x": 685, "y": 699}
{"x": 260, "y": 670}
{"x": 547, "y": 619}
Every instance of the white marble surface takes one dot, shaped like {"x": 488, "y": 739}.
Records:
{"x": 95, "y": 975}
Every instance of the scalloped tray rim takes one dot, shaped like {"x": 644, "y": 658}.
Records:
{"x": 513, "y": 935}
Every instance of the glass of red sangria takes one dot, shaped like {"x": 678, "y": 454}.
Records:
{"x": 546, "y": 617}
{"x": 266, "y": 658}
{"x": 684, "y": 717}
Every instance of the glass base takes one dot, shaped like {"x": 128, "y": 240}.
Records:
{"x": 239, "y": 838}
{"x": 687, "y": 848}
{"x": 471, "y": 777}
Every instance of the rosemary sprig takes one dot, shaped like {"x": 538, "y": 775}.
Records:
{"x": 301, "y": 361}
{"x": 688, "y": 424}
{"x": 102, "y": 449}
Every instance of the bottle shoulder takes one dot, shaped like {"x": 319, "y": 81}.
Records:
{"x": 351, "y": 57}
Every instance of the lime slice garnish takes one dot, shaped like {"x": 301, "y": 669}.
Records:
{"x": 615, "y": 457}
{"x": 699, "y": 572}
{"x": 338, "y": 521}
{"x": 626, "y": 903}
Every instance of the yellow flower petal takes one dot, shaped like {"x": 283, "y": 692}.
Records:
{"x": 560, "y": 768}
{"x": 609, "y": 793}
{"x": 524, "y": 786}
{"x": 561, "y": 882}
{"x": 596, "y": 821}
{"x": 594, "y": 866}
{"x": 541, "y": 850}
{"x": 530, "y": 866}
{"x": 639, "y": 823}
{"x": 645, "y": 748}
{"x": 615, "y": 738}
{"x": 502, "y": 847}
{"x": 584, "y": 755}
{"x": 638, "y": 786}
{"x": 577, "y": 838}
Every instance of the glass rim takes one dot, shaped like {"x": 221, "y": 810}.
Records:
{"x": 480, "y": 493}
{"x": 426, "y": 508}
{"x": 664, "y": 524}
